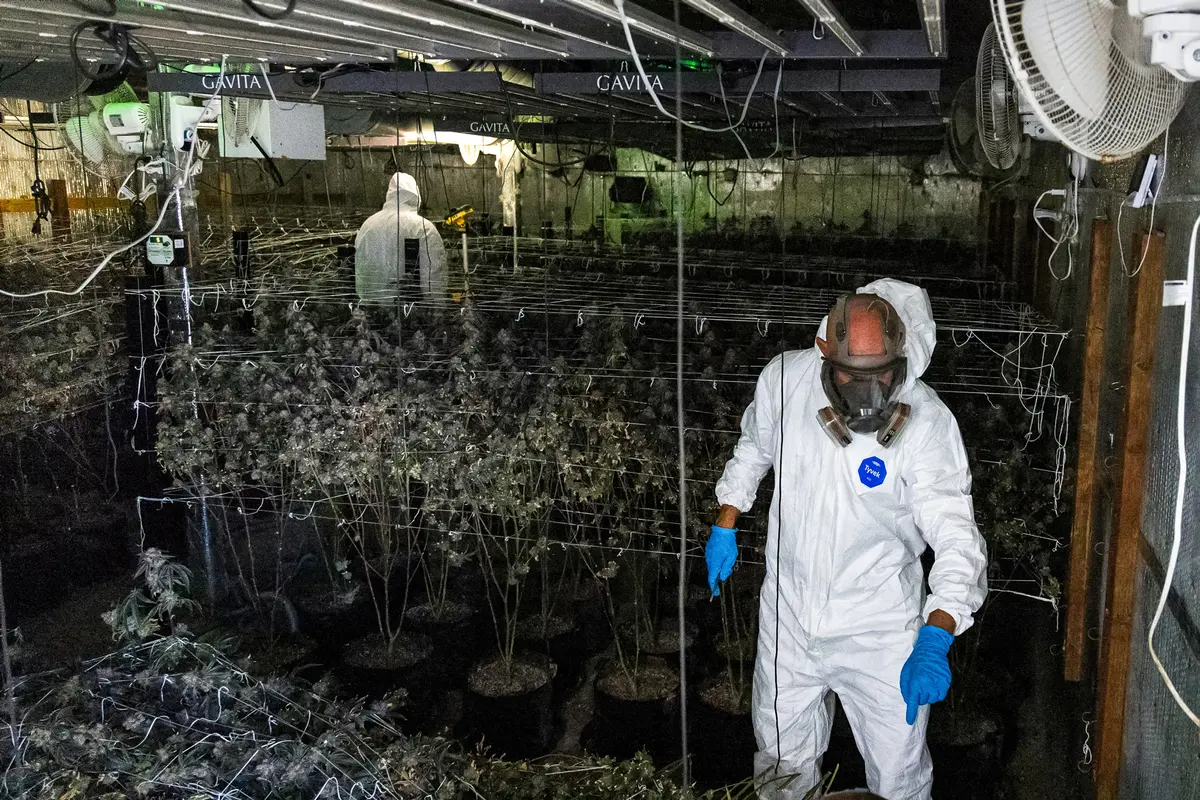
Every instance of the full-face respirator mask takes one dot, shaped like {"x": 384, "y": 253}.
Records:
{"x": 863, "y": 370}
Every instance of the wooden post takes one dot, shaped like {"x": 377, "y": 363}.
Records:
{"x": 1145, "y": 300}
{"x": 60, "y": 207}
{"x": 1079, "y": 583}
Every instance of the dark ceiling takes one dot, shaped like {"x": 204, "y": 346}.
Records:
{"x": 892, "y": 98}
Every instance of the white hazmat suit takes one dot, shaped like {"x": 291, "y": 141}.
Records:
{"x": 844, "y": 594}
{"x": 379, "y": 268}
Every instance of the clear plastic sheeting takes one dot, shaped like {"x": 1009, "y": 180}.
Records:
{"x": 1161, "y": 743}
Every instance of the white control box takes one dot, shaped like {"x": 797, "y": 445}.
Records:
{"x": 283, "y": 130}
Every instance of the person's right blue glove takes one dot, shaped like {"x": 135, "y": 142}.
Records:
{"x": 721, "y": 555}
{"x": 925, "y": 677}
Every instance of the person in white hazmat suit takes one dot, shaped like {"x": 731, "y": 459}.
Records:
{"x": 380, "y": 270}
{"x": 870, "y": 468}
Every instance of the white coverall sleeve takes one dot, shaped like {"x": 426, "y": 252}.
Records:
{"x": 436, "y": 279}
{"x": 945, "y": 515}
{"x": 755, "y": 451}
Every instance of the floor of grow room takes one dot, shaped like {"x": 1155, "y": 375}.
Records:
{"x": 1033, "y": 762}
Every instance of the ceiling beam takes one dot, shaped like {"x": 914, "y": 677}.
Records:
{"x": 834, "y": 23}
{"x": 735, "y": 19}
{"x": 647, "y": 23}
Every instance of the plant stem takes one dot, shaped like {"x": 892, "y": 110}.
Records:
{"x": 9, "y": 691}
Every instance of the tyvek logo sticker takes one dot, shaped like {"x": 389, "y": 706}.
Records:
{"x": 872, "y": 472}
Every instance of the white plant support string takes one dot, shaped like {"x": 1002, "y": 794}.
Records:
{"x": 1181, "y": 486}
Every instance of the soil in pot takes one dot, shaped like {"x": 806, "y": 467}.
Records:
{"x": 456, "y": 637}
{"x": 638, "y": 711}
{"x": 283, "y": 655}
{"x": 509, "y": 707}
{"x": 665, "y": 645}
{"x": 722, "y": 737}
{"x": 370, "y": 668}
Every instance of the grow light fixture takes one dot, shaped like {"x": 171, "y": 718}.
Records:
{"x": 933, "y": 17}
{"x": 829, "y": 97}
{"x": 885, "y": 101}
{"x": 469, "y": 25}
{"x": 646, "y": 22}
{"x": 520, "y": 19}
{"x": 833, "y": 21}
{"x": 734, "y": 18}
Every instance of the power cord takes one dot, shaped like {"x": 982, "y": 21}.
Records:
{"x": 1156, "y": 190}
{"x": 1181, "y": 423}
{"x": 637, "y": 62}
{"x": 121, "y": 39}
{"x": 272, "y": 15}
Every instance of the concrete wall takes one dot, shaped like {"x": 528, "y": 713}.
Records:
{"x": 883, "y": 195}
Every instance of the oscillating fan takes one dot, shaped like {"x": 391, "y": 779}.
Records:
{"x": 241, "y": 117}
{"x": 87, "y": 137}
{"x": 1091, "y": 75}
{"x": 997, "y": 112}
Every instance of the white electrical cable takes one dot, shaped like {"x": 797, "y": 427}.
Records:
{"x": 1070, "y": 230}
{"x": 1181, "y": 487}
{"x": 173, "y": 197}
{"x": 1153, "y": 205}
{"x": 637, "y": 62}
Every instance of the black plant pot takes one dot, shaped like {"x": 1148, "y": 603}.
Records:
{"x": 457, "y": 640}
{"x": 331, "y": 623}
{"x": 967, "y": 747}
{"x": 621, "y": 727}
{"x": 722, "y": 743}
{"x": 567, "y": 646}
{"x": 517, "y": 725}
{"x": 367, "y": 671}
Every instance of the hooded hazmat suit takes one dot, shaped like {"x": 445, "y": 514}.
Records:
{"x": 844, "y": 594}
{"x": 379, "y": 268}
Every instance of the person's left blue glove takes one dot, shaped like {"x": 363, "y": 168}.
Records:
{"x": 721, "y": 554}
{"x": 925, "y": 677}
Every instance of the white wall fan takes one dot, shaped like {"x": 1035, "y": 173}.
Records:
{"x": 1104, "y": 80}
{"x": 1004, "y": 118}
{"x": 240, "y": 120}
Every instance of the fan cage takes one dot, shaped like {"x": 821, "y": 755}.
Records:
{"x": 999, "y": 123}
{"x": 1141, "y": 100}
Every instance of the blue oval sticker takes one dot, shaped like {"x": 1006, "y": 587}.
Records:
{"x": 872, "y": 472}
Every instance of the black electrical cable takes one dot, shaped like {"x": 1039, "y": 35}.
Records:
{"x": 103, "y": 7}
{"x": 272, "y": 15}
{"x": 115, "y": 36}
{"x": 18, "y": 70}
{"x": 41, "y": 200}
{"x": 274, "y": 170}
{"x": 218, "y": 189}
{"x": 514, "y": 126}
{"x": 23, "y": 143}
{"x": 121, "y": 39}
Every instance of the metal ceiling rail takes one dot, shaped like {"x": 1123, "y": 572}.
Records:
{"x": 647, "y": 23}
{"x": 411, "y": 26}
{"x": 176, "y": 41}
{"x": 933, "y": 19}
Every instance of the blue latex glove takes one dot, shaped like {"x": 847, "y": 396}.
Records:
{"x": 721, "y": 555}
{"x": 925, "y": 677}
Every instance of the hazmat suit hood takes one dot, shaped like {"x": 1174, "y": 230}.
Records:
{"x": 383, "y": 273}
{"x": 920, "y": 331}
{"x": 403, "y": 194}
